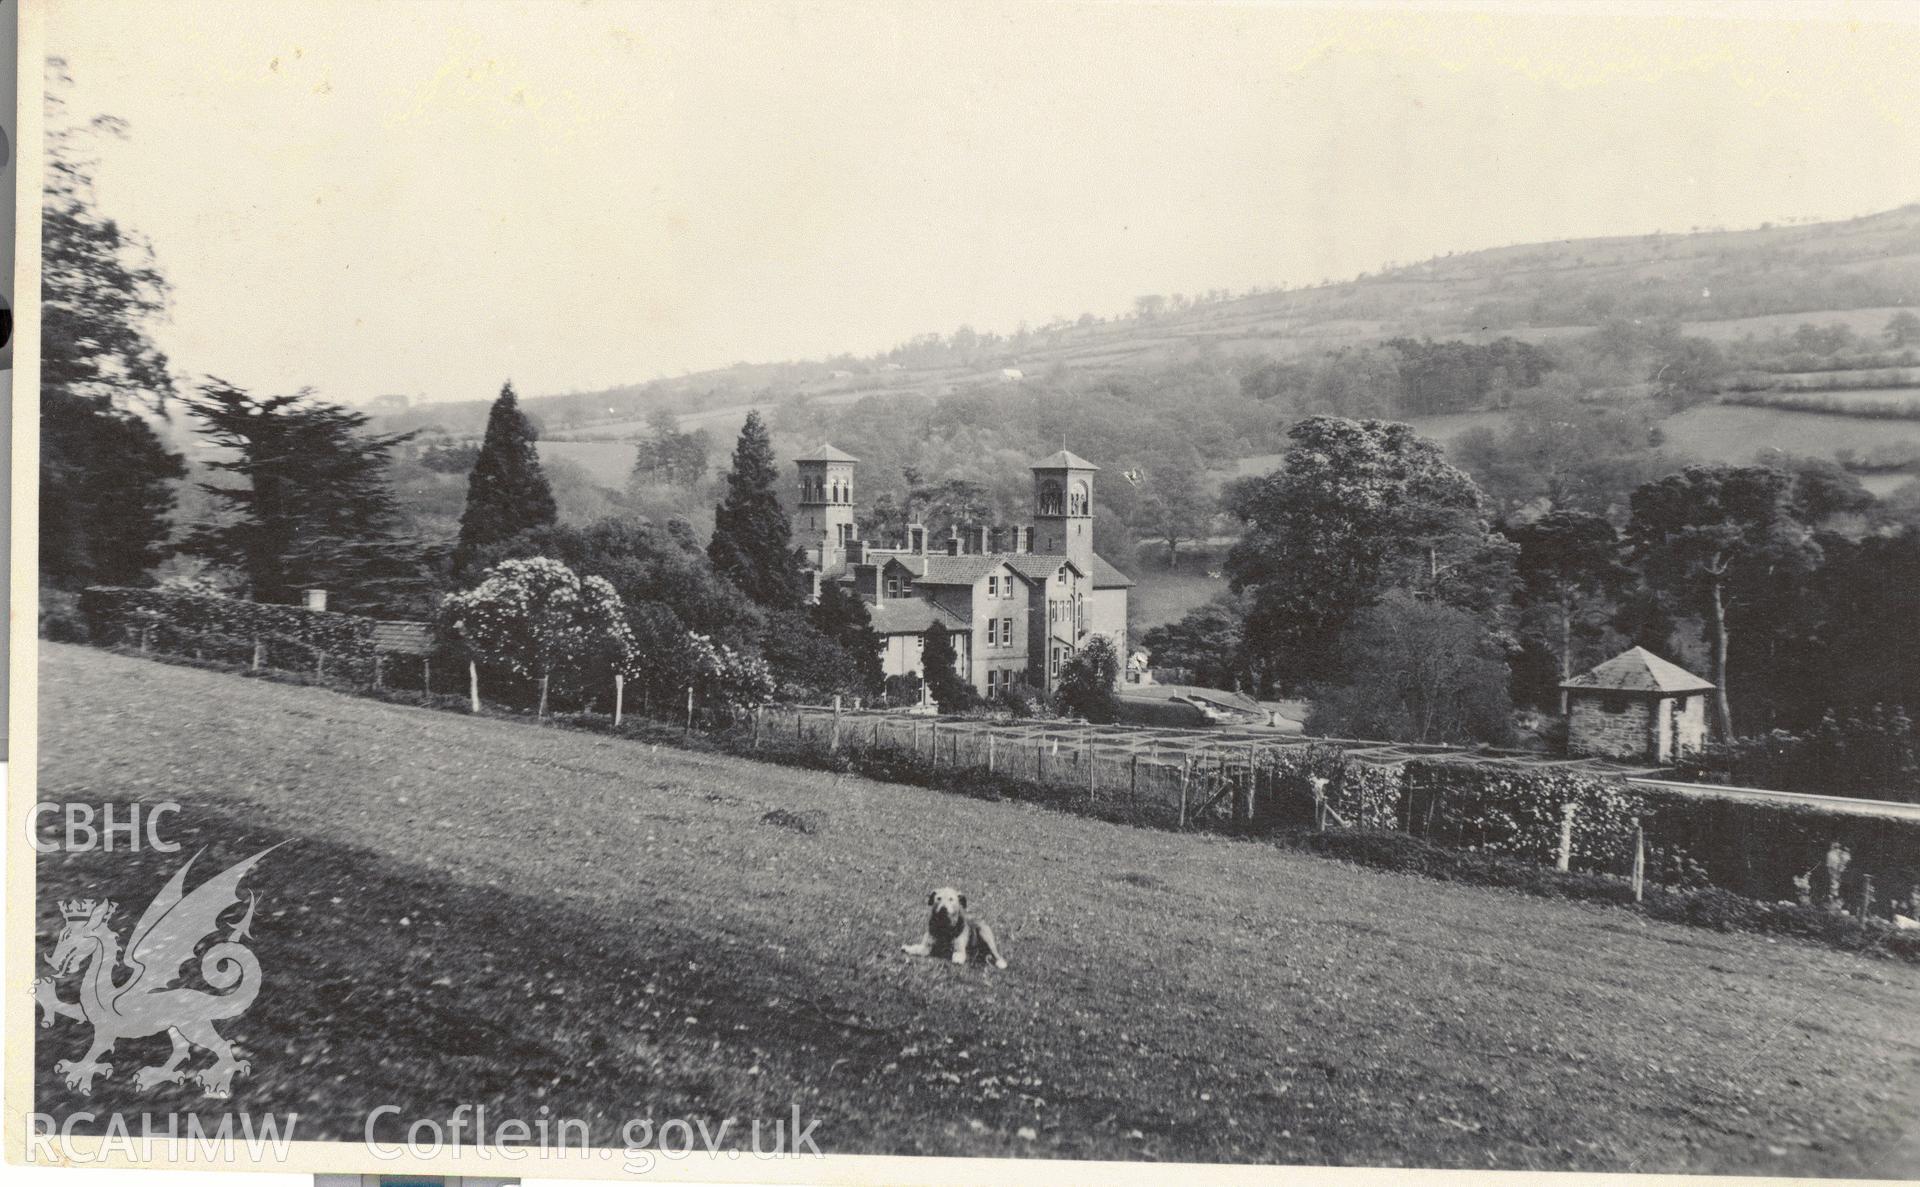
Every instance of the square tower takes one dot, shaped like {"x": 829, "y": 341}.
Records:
{"x": 824, "y": 524}
{"x": 1063, "y": 508}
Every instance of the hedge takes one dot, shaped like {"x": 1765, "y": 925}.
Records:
{"x": 227, "y": 628}
{"x": 1513, "y": 811}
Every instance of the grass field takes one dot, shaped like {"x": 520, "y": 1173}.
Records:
{"x": 483, "y": 911}
{"x": 1739, "y": 434}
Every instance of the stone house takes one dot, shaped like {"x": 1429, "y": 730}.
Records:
{"x": 1636, "y": 706}
{"x": 1020, "y": 600}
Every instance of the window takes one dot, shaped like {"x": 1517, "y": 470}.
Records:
{"x": 1006, "y": 586}
{"x": 893, "y": 585}
{"x": 993, "y": 632}
{"x": 993, "y": 585}
{"x": 1006, "y": 632}
{"x": 1053, "y": 663}
{"x": 993, "y": 681}
{"x": 1613, "y": 702}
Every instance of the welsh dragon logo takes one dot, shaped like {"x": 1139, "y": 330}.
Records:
{"x": 148, "y": 999}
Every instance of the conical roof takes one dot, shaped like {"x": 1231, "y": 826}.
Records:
{"x": 1064, "y": 461}
{"x": 827, "y": 453}
{"x": 1640, "y": 670}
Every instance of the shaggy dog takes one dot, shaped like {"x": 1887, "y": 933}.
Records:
{"x": 950, "y": 933}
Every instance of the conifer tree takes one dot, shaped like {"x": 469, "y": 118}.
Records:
{"x": 312, "y": 509}
{"x": 507, "y": 493}
{"x": 938, "y": 660}
{"x": 752, "y": 543}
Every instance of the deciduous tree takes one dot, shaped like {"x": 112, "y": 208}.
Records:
{"x": 1356, "y": 507}
{"x": 1569, "y": 562}
{"x": 1087, "y": 682}
{"x": 938, "y": 660}
{"x": 1695, "y": 530}
{"x": 107, "y": 483}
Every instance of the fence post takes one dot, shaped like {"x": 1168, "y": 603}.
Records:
{"x": 876, "y": 733}
{"x": 915, "y": 740}
{"x": 1040, "y": 761}
{"x": 756, "y": 727}
{"x": 426, "y": 678}
{"x": 1133, "y": 778}
{"x": 376, "y": 669}
{"x": 1186, "y": 769}
{"x": 1639, "y": 860}
{"x": 1090, "y": 794}
{"x": 620, "y": 698}
{"x": 689, "y": 728}
{"x": 320, "y": 666}
{"x": 1253, "y": 782}
{"x": 833, "y": 743}
{"x": 1565, "y": 859}
{"x": 1866, "y": 895}
{"x": 933, "y": 744}
{"x": 990, "y": 737}
{"x": 258, "y": 649}
{"x": 473, "y": 683}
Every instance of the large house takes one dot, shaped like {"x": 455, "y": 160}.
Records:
{"x": 1019, "y": 601}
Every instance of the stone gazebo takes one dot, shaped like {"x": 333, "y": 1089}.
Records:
{"x": 1637, "y": 706}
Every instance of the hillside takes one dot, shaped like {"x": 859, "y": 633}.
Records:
{"x": 1720, "y": 284}
{"x": 519, "y": 917}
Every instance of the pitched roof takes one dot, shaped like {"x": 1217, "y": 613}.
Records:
{"x": 1037, "y": 566}
{"x": 1105, "y": 576}
{"x": 956, "y": 570}
{"x": 827, "y": 453}
{"x": 1640, "y": 670}
{"x": 1064, "y": 461}
{"x": 912, "y": 616}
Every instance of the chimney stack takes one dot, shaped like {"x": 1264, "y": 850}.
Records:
{"x": 953, "y": 546}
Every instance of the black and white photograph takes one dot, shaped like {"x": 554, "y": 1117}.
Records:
{"x": 848, "y": 592}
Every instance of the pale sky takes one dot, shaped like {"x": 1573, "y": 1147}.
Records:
{"x": 429, "y": 197}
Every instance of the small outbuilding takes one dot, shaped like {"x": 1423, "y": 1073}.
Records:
{"x": 1636, "y": 706}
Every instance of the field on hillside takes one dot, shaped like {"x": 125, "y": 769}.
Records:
{"x": 492, "y": 912}
{"x": 608, "y": 462}
{"x": 1740, "y": 433}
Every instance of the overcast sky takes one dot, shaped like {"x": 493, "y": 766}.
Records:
{"x": 427, "y": 198}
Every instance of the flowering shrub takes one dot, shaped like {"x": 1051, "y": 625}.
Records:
{"x": 536, "y": 616}
{"x": 730, "y": 679}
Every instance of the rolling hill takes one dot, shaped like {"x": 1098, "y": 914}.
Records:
{"x": 1717, "y": 284}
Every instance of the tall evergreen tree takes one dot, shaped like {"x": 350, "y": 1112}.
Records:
{"x": 752, "y": 543}
{"x": 507, "y": 493}
{"x": 106, "y": 479}
{"x": 314, "y": 510}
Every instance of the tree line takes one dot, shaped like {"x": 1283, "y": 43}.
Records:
{"x": 1376, "y": 576}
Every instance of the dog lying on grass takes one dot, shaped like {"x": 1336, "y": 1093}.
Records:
{"x": 952, "y": 934}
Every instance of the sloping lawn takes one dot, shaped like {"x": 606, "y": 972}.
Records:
{"x": 481, "y": 911}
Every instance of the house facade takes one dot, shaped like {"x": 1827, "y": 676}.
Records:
{"x": 1019, "y": 601}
